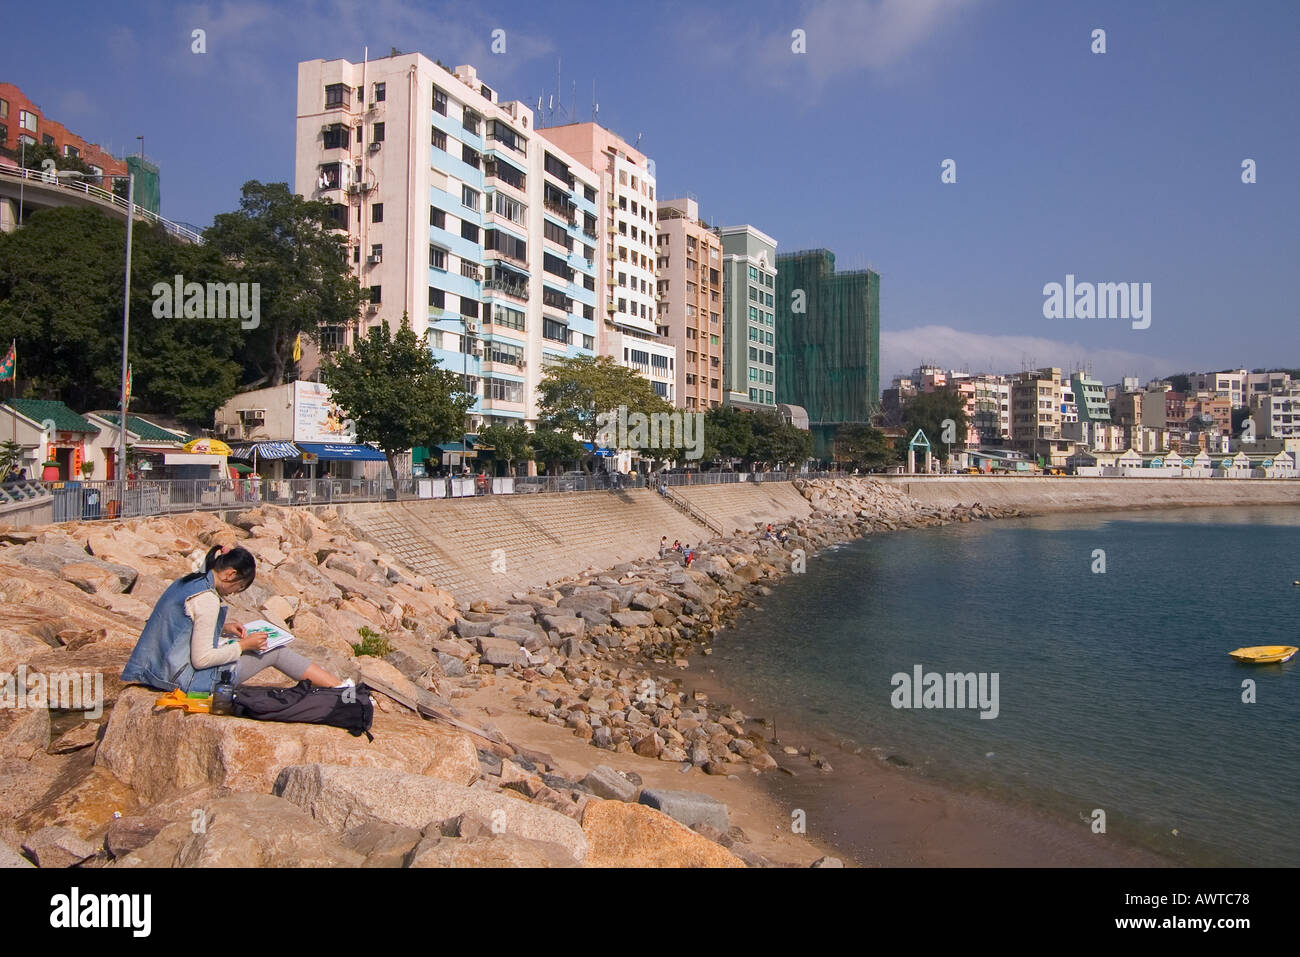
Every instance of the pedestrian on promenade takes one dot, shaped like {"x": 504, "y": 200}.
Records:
{"x": 187, "y": 640}
{"x": 663, "y": 545}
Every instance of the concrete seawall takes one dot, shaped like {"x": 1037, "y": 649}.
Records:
{"x": 490, "y": 546}
{"x": 1070, "y": 493}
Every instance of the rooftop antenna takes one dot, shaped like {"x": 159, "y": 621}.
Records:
{"x": 595, "y": 104}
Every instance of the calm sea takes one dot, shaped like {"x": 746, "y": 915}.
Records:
{"x": 1115, "y": 689}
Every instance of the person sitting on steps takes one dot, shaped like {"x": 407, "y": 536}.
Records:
{"x": 187, "y": 641}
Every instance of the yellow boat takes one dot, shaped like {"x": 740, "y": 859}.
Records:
{"x": 1265, "y": 654}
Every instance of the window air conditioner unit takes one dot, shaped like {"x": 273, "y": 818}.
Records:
{"x": 354, "y": 189}
{"x": 374, "y": 260}
{"x": 471, "y": 325}
{"x": 372, "y": 308}
{"x": 374, "y": 147}
{"x": 478, "y": 352}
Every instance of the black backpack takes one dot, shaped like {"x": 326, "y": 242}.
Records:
{"x": 349, "y": 708}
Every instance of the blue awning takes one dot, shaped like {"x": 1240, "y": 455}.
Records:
{"x": 266, "y": 450}
{"x": 328, "y": 451}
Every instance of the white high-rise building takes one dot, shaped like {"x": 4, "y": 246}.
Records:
{"x": 456, "y": 213}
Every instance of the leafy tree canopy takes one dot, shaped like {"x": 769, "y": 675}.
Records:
{"x": 61, "y": 279}
{"x": 284, "y": 243}
{"x": 395, "y": 392}
{"x": 928, "y": 410}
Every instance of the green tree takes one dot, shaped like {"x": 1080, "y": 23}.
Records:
{"x": 553, "y": 449}
{"x": 928, "y": 410}
{"x": 11, "y": 454}
{"x": 864, "y": 446}
{"x": 395, "y": 392}
{"x": 728, "y": 433}
{"x": 34, "y": 157}
{"x": 777, "y": 443}
{"x": 509, "y": 443}
{"x": 575, "y": 391}
{"x": 286, "y": 244}
{"x": 61, "y": 298}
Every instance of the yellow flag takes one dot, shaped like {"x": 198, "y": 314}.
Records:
{"x": 297, "y": 348}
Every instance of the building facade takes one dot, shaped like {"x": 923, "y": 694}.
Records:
{"x": 827, "y": 337}
{"x": 748, "y": 361}
{"x": 457, "y": 214}
{"x": 629, "y": 327}
{"x": 689, "y": 301}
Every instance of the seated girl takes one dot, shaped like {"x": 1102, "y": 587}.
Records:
{"x": 187, "y": 641}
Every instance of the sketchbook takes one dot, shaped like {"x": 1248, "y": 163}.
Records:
{"x": 276, "y": 637}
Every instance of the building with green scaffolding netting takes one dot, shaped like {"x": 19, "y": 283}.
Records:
{"x": 827, "y": 342}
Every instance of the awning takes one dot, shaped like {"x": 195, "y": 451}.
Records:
{"x": 452, "y": 447}
{"x": 266, "y": 450}
{"x": 328, "y": 451}
{"x": 193, "y": 458}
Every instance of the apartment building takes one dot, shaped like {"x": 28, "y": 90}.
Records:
{"x": 748, "y": 361}
{"x": 456, "y": 213}
{"x": 1164, "y": 408}
{"x": 1036, "y": 415}
{"x": 1230, "y": 383}
{"x": 689, "y": 300}
{"x": 827, "y": 341}
{"x": 1277, "y": 415}
{"x": 629, "y": 330}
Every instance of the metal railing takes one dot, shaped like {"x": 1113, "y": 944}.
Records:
{"x": 682, "y": 505}
{"x": 48, "y": 179}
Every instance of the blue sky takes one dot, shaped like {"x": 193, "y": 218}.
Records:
{"x": 1115, "y": 167}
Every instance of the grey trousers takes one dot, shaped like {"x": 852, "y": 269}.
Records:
{"x": 282, "y": 659}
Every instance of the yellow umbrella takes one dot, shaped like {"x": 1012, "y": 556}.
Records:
{"x": 207, "y": 447}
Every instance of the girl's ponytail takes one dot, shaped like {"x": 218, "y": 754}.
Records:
{"x": 220, "y": 557}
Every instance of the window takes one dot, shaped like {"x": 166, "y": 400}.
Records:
{"x": 439, "y": 101}
{"x": 438, "y": 258}
{"x": 768, "y": 301}
{"x": 337, "y": 96}
{"x": 753, "y": 335}
{"x": 768, "y": 340}
{"x": 336, "y": 137}
{"x": 753, "y": 354}
{"x": 338, "y": 216}
{"x": 437, "y": 298}
{"x": 469, "y": 155}
{"x": 438, "y": 138}
{"x": 589, "y": 194}
{"x": 377, "y": 213}
{"x": 506, "y": 317}
{"x": 507, "y": 352}
{"x": 589, "y": 283}
{"x": 377, "y": 252}
{"x": 558, "y": 169}
{"x": 379, "y": 92}
{"x": 504, "y": 135}
{"x": 554, "y": 330}
{"x": 507, "y": 173}
{"x": 556, "y": 266}
{"x": 505, "y": 243}
{"x": 437, "y": 217}
{"x": 753, "y": 272}
{"x": 555, "y": 299}
{"x": 753, "y": 294}
{"x": 471, "y": 121}
{"x": 503, "y": 390}
{"x": 754, "y": 314}
{"x": 469, "y": 198}
{"x": 511, "y": 209}
{"x": 332, "y": 338}
{"x": 588, "y": 343}
{"x": 469, "y": 307}
{"x": 71, "y": 151}
{"x": 47, "y": 139}
{"x": 376, "y": 294}
{"x": 468, "y": 231}
{"x": 4, "y": 135}
{"x": 378, "y": 133}
{"x": 555, "y": 233}
{"x": 4, "y": 109}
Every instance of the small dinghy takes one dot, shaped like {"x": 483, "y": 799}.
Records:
{"x": 1265, "y": 654}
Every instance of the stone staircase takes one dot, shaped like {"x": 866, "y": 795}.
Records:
{"x": 739, "y": 506}
{"x": 489, "y": 546}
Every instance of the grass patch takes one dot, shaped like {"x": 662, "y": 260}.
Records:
{"x": 372, "y": 643}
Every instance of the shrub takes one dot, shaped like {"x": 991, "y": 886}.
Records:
{"x": 372, "y": 643}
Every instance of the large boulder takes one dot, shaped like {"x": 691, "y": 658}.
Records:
{"x": 488, "y": 850}
{"x": 633, "y": 835}
{"x": 244, "y": 830}
{"x": 343, "y": 798}
{"x": 162, "y": 754}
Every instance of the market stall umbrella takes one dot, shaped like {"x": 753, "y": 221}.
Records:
{"x": 206, "y": 447}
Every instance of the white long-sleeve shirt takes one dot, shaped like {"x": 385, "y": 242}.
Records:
{"x": 204, "y": 609}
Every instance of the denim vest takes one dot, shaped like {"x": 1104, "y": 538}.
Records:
{"x": 161, "y": 658}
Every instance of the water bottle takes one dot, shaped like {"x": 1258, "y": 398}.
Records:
{"x": 223, "y": 694}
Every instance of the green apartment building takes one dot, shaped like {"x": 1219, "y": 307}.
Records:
{"x": 827, "y": 342}
{"x": 748, "y": 318}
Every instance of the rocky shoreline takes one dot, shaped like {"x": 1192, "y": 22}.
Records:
{"x": 586, "y": 654}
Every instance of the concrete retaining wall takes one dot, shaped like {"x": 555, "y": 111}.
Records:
{"x": 1069, "y": 493}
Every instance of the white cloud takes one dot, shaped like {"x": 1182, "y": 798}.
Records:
{"x": 903, "y": 350}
